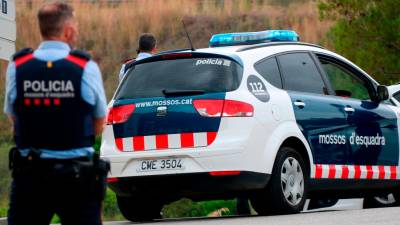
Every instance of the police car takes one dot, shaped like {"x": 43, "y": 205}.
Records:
{"x": 387, "y": 200}
{"x": 390, "y": 199}
{"x": 256, "y": 114}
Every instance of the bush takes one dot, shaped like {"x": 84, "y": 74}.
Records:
{"x": 188, "y": 208}
{"x": 366, "y": 32}
{"x": 110, "y": 207}
{"x": 5, "y": 178}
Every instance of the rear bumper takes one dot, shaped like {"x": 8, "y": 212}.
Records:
{"x": 199, "y": 186}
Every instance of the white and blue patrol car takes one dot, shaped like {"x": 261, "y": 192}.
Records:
{"x": 257, "y": 114}
{"x": 386, "y": 200}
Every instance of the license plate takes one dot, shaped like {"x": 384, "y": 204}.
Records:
{"x": 161, "y": 164}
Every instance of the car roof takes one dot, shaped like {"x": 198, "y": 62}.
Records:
{"x": 250, "y": 51}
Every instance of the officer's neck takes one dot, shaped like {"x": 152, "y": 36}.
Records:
{"x": 59, "y": 39}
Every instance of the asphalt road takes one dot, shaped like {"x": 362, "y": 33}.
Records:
{"x": 385, "y": 216}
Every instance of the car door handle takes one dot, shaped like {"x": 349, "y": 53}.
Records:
{"x": 299, "y": 104}
{"x": 349, "y": 109}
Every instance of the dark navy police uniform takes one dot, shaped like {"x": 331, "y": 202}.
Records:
{"x": 54, "y": 168}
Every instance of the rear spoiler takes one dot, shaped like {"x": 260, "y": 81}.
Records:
{"x": 172, "y": 51}
{"x": 181, "y": 54}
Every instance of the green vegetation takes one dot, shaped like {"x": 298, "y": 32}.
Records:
{"x": 110, "y": 208}
{"x": 366, "y": 32}
{"x": 188, "y": 208}
{"x": 5, "y": 178}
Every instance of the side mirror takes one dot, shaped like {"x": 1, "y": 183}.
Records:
{"x": 382, "y": 93}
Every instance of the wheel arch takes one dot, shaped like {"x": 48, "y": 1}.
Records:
{"x": 298, "y": 146}
{"x": 294, "y": 138}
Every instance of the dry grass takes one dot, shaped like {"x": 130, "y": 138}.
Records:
{"x": 110, "y": 30}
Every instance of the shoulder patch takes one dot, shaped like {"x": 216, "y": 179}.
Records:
{"x": 129, "y": 60}
{"x": 21, "y": 53}
{"x": 81, "y": 54}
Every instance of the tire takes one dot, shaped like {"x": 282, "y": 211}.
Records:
{"x": 390, "y": 200}
{"x": 284, "y": 195}
{"x": 139, "y": 209}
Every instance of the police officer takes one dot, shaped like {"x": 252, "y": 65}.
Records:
{"x": 56, "y": 101}
{"x": 147, "y": 47}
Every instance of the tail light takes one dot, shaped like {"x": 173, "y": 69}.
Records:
{"x": 120, "y": 114}
{"x": 237, "y": 109}
{"x": 112, "y": 179}
{"x": 224, "y": 108}
{"x": 209, "y": 108}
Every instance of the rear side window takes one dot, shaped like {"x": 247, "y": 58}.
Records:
{"x": 203, "y": 74}
{"x": 300, "y": 73}
{"x": 269, "y": 70}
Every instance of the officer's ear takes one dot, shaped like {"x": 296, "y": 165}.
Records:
{"x": 70, "y": 31}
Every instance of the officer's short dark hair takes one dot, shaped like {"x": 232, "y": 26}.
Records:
{"x": 52, "y": 17}
{"x": 147, "y": 42}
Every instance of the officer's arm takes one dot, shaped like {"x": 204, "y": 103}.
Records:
{"x": 93, "y": 80}
{"x": 100, "y": 106}
{"x": 11, "y": 92}
{"x": 98, "y": 125}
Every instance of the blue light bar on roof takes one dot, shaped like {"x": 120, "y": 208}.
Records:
{"x": 246, "y": 38}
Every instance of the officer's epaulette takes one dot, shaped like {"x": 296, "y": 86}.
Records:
{"x": 21, "y": 53}
{"x": 129, "y": 64}
{"x": 81, "y": 54}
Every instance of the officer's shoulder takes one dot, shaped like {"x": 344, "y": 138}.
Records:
{"x": 22, "y": 53}
{"x": 81, "y": 54}
{"x": 128, "y": 61}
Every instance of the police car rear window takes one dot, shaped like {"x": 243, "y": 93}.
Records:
{"x": 204, "y": 74}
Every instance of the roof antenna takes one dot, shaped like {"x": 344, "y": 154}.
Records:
{"x": 187, "y": 35}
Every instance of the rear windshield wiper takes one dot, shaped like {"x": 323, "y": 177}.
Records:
{"x": 177, "y": 93}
